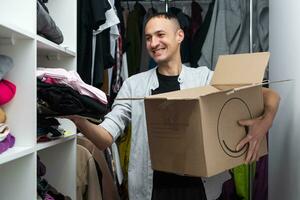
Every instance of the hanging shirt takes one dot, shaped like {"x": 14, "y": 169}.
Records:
{"x": 228, "y": 32}
{"x": 140, "y": 174}
{"x": 90, "y": 15}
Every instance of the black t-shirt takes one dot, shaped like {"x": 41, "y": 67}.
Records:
{"x": 164, "y": 179}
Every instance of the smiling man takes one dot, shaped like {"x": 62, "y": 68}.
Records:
{"x": 163, "y": 39}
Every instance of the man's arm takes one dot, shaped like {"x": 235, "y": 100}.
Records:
{"x": 96, "y": 133}
{"x": 258, "y": 127}
{"x": 114, "y": 123}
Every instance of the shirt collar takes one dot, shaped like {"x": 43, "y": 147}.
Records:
{"x": 154, "y": 79}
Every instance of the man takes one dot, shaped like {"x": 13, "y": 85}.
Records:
{"x": 163, "y": 39}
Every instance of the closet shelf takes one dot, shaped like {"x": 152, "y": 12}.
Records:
{"x": 9, "y": 31}
{"x": 45, "y": 145}
{"x": 15, "y": 153}
{"x": 52, "y": 50}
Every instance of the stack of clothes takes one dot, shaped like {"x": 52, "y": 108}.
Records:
{"x": 44, "y": 189}
{"x": 63, "y": 93}
{"x": 7, "y": 92}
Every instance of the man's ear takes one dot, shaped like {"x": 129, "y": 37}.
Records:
{"x": 180, "y": 35}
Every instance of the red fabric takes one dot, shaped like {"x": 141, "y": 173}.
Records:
{"x": 7, "y": 91}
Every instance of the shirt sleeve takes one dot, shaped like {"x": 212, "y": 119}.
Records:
{"x": 209, "y": 76}
{"x": 120, "y": 115}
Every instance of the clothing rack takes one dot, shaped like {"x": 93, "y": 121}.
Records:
{"x": 166, "y": 3}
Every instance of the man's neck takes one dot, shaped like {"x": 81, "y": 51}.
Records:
{"x": 170, "y": 69}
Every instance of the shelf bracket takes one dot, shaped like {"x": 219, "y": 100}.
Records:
{"x": 53, "y": 57}
{"x": 9, "y": 41}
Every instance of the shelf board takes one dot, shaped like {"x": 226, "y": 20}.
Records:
{"x": 15, "y": 153}
{"x": 11, "y": 31}
{"x": 48, "y": 48}
{"x": 45, "y": 145}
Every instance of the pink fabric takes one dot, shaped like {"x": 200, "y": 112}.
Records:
{"x": 71, "y": 79}
{"x": 7, "y": 91}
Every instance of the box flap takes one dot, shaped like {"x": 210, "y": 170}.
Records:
{"x": 192, "y": 93}
{"x": 240, "y": 69}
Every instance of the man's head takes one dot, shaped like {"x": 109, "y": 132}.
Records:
{"x": 163, "y": 37}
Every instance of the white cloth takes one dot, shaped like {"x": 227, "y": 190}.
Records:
{"x": 111, "y": 22}
{"x": 4, "y": 131}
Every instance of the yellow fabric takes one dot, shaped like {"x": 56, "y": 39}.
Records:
{"x": 2, "y": 116}
{"x": 241, "y": 180}
{"x": 124, "y": 152}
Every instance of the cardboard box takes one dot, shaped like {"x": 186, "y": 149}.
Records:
{"x": 195, "y": 131}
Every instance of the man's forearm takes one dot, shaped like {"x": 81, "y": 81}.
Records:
{"x": 97, "y": 134}
{"x": 271, "y": 103}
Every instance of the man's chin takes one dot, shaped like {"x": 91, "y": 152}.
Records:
{"x": 160, "y": 60}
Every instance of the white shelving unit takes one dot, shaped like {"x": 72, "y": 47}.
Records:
{"x": 18, "y": 40}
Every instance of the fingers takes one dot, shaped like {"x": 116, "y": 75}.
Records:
{"x": 250, "y": 151}
{"x": 246, "y": 122}
{"x": 243, "y": 142}
{"x": 253, "y": 152}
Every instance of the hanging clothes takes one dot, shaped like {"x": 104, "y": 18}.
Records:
{"x": 133, "y": 35}
{"x": 88, "y": 187}
{"x": 200, "y": 35}
{"x": 90, "y": 15}
{"x": 196, "y": 18}
{"x": 228, "y": 32}
{"x": 109, "y": 189}
{"x": 260, "y": 25}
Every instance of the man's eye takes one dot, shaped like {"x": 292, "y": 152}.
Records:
{"x": 161, "y": 35}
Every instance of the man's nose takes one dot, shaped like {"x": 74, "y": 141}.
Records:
{"x": 154, "y": 42}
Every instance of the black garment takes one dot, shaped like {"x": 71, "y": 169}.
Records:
{"x": 60, "y": 100}
{"x": 46, "y": 26}
{"x": 200, "y": 36}
{"x": 43, "y": 122}
{"x": 103, "y": 58}
{"x": 90, "y": 15}
{"x": 167, "y": 185}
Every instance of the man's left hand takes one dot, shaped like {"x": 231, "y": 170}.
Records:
{"x": 257, "y": 129}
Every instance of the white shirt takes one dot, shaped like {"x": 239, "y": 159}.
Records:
{"x": 140, "y": 173}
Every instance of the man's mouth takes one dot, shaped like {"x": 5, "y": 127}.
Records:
{"x": 157, "y": 52}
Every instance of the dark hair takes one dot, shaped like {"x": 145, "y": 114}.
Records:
{"x": 165, "y": 15}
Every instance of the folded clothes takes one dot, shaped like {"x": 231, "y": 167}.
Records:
{"x": 4, "y": 131}
{"x": 60, "y": 100}
{"x": 2, "y": 116}
{"x": 7, "y": 143}
{"x": 6, "y": 63}
{"x": 7, "y": 91}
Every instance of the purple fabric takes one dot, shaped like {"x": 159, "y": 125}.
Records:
{"x": 228, "y": 191}
{"x": 260, "y": 185}
{"x": 261, "y": 179}
{"x": 7, "y": 143}
{"x": 48, "y": 197}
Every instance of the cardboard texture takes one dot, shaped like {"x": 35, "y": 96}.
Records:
{"x": 195, "y": 131}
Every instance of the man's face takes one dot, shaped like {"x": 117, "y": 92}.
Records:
{"x": 163, "y": 38}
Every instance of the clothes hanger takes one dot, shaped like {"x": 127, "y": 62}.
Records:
{"x": 127, "y": 2}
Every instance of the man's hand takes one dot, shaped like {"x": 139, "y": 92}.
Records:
{"x": 257, "y": 129}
